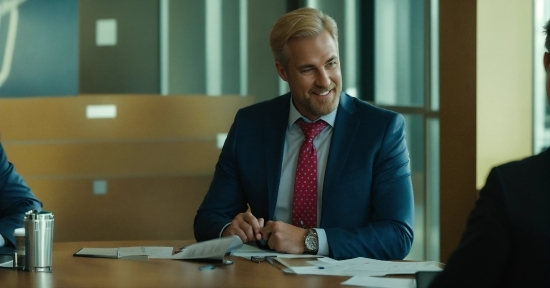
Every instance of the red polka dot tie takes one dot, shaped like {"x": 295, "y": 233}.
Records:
{"x": 304, "y": 206}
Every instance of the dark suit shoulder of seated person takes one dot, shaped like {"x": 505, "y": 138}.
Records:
{"x": 356, "y": 197}
{"x": 16, "y": 198}
{"x": 507, "y": 238}
{"x": 507, "y": 241}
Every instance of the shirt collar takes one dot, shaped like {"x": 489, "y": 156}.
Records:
{"x": 294, "y": 115}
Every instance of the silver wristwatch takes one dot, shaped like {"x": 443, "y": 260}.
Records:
{"x": 311, "y": 242}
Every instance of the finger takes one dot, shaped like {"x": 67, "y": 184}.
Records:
{"x": 253, "y": 222}
{"x": 247, "y": 229}
{"x": 267, "y": 229}
{"x": 236, "y": 231}
{"x": 258, "y": 233}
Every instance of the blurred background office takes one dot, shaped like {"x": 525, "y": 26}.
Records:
{"x": 114, "y": 111}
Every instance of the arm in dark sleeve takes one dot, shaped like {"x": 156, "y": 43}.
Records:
{"x": 16, "y": 198}
{"x": 388, "y": 234}
{"x": 480, "y": 257}
{"x": 224, "y": 199}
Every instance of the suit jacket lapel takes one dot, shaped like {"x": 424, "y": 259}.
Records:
{"x": 345, "y": 129}
{"x": 274, "y": 140}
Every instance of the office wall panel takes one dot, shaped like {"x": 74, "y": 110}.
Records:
{"x": 139, "y": 175}
{"x": 138, "y": 117}
{"x": 102, "y": 159}
{"x": 134, "y": 208}
{"x": 131, "y": 64}
{"x": 457, "y": 46}
{"x": 187, "y": 47}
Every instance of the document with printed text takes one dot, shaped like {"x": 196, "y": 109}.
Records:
{"x": 214, "y": 249}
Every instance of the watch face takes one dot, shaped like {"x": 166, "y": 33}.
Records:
{"x": 311, "y": 243}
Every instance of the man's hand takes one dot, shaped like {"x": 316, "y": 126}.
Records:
{"x": 246, "y": 226}
{"x": 284, "y": 237}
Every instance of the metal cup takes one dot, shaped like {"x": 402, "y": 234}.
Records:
{"x": 38, "y": 241}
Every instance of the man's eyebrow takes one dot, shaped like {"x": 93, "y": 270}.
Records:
{"x": 332, "y": 59}
{"x": 306, "y": 66}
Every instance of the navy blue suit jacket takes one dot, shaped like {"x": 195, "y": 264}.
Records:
{"x": 16, "y": 198}
{"x": 507, "y": 240}
{"x": 367, "y": 207}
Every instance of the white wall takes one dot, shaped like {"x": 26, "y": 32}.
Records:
{"x": 504, "y": 83}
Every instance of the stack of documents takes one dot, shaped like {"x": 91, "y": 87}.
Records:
{"x": 214, "y": 249}
{"x": 361, "y": 267}
{"x": 127, "y": 252}
{"x": 366, "y": 272}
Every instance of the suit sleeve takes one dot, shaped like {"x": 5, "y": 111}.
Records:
{"x": 487, "y": 234}
{"x": 224, "y": 198}
{"x": 16, "y": 198}
{"x": 388, "y": 232}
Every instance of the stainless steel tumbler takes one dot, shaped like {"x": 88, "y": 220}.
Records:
{"x": 38, "y": 241}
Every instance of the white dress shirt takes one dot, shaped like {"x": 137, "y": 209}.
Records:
{"x": 293, "y": 142}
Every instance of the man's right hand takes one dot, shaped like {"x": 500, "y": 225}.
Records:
{"x": 246, "y": 226}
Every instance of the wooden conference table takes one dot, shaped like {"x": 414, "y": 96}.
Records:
{"x": 70, "y": 271}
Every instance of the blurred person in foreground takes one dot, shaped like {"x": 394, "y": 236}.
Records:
{"x": 507, "y": 239}
{"x": 16, "y": 198}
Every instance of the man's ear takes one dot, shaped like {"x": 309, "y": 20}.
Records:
{"x": 281, "y": 70}
{"x": 547, "y": 62}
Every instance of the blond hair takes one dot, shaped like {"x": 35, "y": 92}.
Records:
{"x": 300, "y": 23}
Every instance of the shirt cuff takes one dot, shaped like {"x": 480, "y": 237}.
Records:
{"x": 221, "y": 232}
{"x": 323, "y": 242}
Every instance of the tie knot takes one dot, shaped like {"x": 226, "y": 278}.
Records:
{"x": 311, "y": 129}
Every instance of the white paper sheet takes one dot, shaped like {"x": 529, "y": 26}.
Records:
{"x": 364, "y": 267}
{"x": 380, "y": 282}
{"x": 158, "y": 252}
{"x": 131, "y": 251}
{"x": 211, "y": 249}
{"x": 7, "y": 264}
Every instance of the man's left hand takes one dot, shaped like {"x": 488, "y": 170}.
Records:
{"x": 284, "y": 237}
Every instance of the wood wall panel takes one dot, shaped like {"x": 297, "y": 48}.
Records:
{"x": 113, "y": 158}
{"x": 457, "y": 53}
{"x": 138, "y": 117}
{"x": 157, "y": 157}
{"x": 134, "y": 208}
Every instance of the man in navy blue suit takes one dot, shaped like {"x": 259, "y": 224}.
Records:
{"x": 364, "y": 197}
{"x": 16, "y": 198}
{"x": 507, "y": 240}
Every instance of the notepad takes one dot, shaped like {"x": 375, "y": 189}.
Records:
{"x": 135, "y": 252}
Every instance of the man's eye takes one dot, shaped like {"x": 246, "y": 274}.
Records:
{"x": 307, "y": 70}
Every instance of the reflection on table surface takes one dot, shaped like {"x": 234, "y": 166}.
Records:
{"x": 70, "y": 271}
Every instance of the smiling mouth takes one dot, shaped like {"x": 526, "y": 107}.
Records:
{"x": 322, "y": 93}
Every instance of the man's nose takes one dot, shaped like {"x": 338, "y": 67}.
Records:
{"x": 323, "y": 79}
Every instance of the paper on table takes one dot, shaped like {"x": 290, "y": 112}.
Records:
{"x": 380, "y": 282}
{"x": 364, "y": 267}
{"x": 132, "y": 251}
{"x": 158, "y": 252}
{"x": 247, "y": 251}
{"x": 127, "y": 252}
{"x": 98, "y": 252}
{"x": 211, "y": 249}
{"x": 7, "y": 264}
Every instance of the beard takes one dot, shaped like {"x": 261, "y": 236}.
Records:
{"x": 320, "y": 107}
